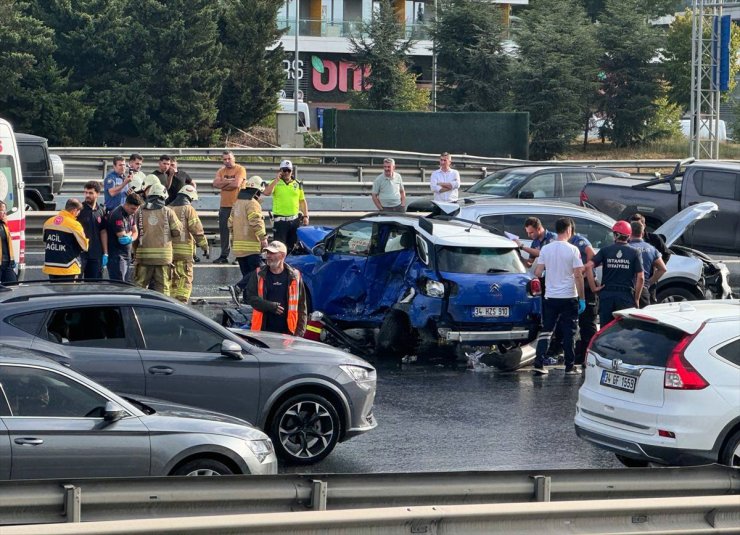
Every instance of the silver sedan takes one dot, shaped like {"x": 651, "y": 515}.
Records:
{"x": 56, "y": 423}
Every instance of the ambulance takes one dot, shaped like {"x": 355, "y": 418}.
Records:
{"x": 11, "y": 192}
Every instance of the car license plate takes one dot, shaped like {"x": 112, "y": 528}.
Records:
{"x": 491, "y": 312}
{"x": 619, "y": 381}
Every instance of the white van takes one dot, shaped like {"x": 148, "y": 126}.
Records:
{"x": 721, "y": 129}
{"x": 304, "y": 115}
{"x": 11, "y": 192}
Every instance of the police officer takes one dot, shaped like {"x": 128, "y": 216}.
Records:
{"x": 183, "y": 246}
{"x": 92, "y": 219}
{"x": 289, "y": 208}
{"x": 65, "y": 240}
{"x": 121, "y": 234}
{"x": 622, "y": 277}
{"x": 156, "y": 226}
{"x": 540, "y": 237}
{"x": 653, "y": 267}
{"x": 656, "y": 240}
{"x": 248, "y": 229}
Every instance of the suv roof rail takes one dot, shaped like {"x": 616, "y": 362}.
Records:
{"x": 83, "y": 289}
{"x": 75, "y": 281}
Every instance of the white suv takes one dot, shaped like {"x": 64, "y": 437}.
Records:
{"x": 662, "y": 385}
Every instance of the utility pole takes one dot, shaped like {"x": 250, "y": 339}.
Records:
{"x": 295, "y": 65}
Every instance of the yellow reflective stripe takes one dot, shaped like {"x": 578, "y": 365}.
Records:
{"x": 313, "y": 329}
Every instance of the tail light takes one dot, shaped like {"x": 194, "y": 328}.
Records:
{"x": 679, "y": 373}
{"x": 601, "y": 331}
{"x": 583, "y": 197}
{"x": 534, "y": 287}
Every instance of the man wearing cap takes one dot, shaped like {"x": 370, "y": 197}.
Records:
{"x": 229, "y": 180}
{"x": 248, "y": 229}
{"x": 156, "y": 226}
{"x": 621, "y": 274}
{"x": 277, "y": 295}
{"x": 289, "y": 208}
{"x": 116, "y": 185}
{"x": 183, "y": 246}
{"x": 388, "y": 193}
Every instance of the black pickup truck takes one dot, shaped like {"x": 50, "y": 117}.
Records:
{"x": 661, "y": 198}
{"x": 43, "y": 173}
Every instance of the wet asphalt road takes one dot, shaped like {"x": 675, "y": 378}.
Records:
{"x": 434, "y": 418}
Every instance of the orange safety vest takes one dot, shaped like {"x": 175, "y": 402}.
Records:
{"x": 292, "y": 318}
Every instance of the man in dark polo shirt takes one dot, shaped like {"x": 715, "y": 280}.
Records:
{"x": 121, "y": 234}
{"x": 92, "y": 219}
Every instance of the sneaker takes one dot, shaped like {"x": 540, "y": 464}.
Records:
{"x": 550, "y": 361}
{"x": 573, "y": 370}
{"x": 540, "y": 370}
{"x": 221, "y": 260}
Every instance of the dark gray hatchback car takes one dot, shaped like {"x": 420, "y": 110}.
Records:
{"x": 305, "y": 395}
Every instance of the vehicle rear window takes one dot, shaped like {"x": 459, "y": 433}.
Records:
{"x": 33, "y": 159}
{"x": 478, "y": 260}
{"x": 731, "y": 352}
{"x": 637, "y": 342}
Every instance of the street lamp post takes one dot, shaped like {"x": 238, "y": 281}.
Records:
{"x": 434, "y": 62}
{"x": 295, "y": 66}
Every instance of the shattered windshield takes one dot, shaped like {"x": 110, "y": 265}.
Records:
{"x": 481, "y": 260}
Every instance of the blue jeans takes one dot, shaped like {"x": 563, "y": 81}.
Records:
{"x": 562, "y": 313}
{"x": 612, "y": 301}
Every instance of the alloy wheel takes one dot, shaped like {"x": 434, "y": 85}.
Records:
{"x": 306, "y": 429}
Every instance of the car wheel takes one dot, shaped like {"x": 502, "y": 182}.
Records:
{"x": 631, "y": 463}
{"x": 305, "y": 429}
{"x": 674, "y": 295}
{"x": 731, "y": 452}
{"x": 394, "y": 336}
{"x": 202, "y": 467}
{"x": 32, "y": 206}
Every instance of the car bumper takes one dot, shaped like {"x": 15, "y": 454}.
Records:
{"x": 449, "y": 335}
{"x": 369, "y": 424}
{"x": 646, "y": 452}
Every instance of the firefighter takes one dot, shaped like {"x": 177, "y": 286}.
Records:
{"x": 248, "y": 229}
{"x": 65, "y": 241}
{"x": 157, "y": 225}
{"x": 183, "y": 247}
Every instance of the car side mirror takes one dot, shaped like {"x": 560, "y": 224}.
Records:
{"x": 526, "y": 195}
{"x": 229, "y": 348}
{"x": 319, "y": 249}
{"x": 113, "y": 412}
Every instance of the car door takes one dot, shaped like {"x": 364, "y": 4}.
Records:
{"x": 182, "y": 358}
{"x": 723, "y": 188}
{"x": 95, "y": 340}
{"x": 339, "y": 284}
{"x": 386, "y": 267}
{"x": 573, "y": 183}
{"x": 56, "y": 429}
{"x": 4, "y": 439}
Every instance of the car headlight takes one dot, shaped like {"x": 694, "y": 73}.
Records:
{"x": 433, "y": 288}
{"x": 261, "y": 448}
{"x": 362, "y": 376}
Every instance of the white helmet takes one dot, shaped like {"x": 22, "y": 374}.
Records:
{"x": 151, "y": 180}
{"x": 255, "y": 182}
{"x": 157, "y": 190}
{"x": 136, "y": 184}
{"x": 190, "y": 191}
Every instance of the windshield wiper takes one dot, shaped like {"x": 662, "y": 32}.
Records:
{"x": 497, "y": 270}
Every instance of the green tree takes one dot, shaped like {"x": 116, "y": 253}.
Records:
{"x": 632, "y": 83}
{"x": 35, "y": 93}
{"x": 677, "y": 63}
{"x": 556, "y": 73}
{"x": 410, "y": 97}
{"x": 381, "y": 46}
{"x": 249, "y": 33}
{"x": 666, "y": 123}
{"x": 473, "y": 67}
{"x": 180, "y": 71}
{"x": 654, "y": 8}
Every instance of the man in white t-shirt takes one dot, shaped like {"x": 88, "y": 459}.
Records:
{"x": 564, "y": 298}
{"x": 445, "y": 182}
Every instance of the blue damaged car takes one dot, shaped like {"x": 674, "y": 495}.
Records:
{"x": 407, "y": 285}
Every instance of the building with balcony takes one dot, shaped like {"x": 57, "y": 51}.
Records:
{"x": 325, "y": 68}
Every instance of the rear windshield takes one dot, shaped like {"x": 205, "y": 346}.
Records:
{"x": 638, "y": 343}
{"x": 478, "y": 260}
{"x": 499, "y": 183}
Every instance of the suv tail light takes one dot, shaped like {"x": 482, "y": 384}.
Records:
{"x": 534, "y": 287}
{"x": 583, "y": 197}
{"x": 679, "y": 373}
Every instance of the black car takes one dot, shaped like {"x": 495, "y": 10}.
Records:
{"x": 306, "y": 395}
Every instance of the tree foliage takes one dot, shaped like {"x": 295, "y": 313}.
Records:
{"x": 410, "y": 97}
{"x": 473, "y": 67}
{"x": 654, "y": 8}
{"x": 381, "y": 47}
{"x": 556, "y": 73}
{"x": 632, "y": 84}
{"x": 248, "y": 31}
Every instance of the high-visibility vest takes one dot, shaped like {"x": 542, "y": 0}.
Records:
{"x": 292, "y": 317}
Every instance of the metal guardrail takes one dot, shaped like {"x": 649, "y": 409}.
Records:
{"x": 713, "y": 514}
{"x": 93, "y": 500}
